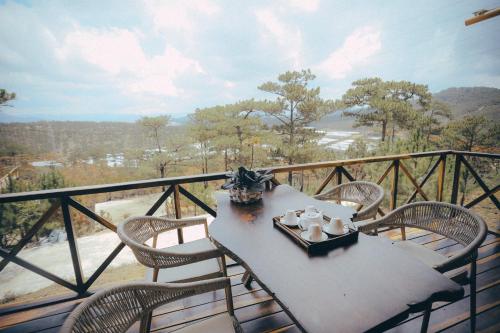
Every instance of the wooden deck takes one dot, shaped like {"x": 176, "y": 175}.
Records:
{"x": 257, "y": 312}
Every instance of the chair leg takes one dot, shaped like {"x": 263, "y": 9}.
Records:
{"x": 146, "y": 322}
{"x": 473, "y": 296}
{"x": 156, "y": 270}
{"x": 425, "y": 320}
{"x": 247, "y": 280}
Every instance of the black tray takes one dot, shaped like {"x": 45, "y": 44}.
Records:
{"x": 316, "y": 248}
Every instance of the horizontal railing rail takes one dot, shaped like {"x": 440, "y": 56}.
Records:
{"x": 64, "y": 198}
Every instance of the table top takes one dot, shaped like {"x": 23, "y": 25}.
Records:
{"x": 368, "y": 285}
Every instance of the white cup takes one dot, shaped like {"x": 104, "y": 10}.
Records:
{"x": 314, "y": 232}
{"x": 335, "y": 227}
{"x": 290, "y": 217}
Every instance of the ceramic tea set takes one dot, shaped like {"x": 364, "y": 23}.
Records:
{"x": 314, "y": 227}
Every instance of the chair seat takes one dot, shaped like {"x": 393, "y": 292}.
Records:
{"x": 221, "y": 323}
{"x": 205, "y": 269}
{"x": 430, "y": 258}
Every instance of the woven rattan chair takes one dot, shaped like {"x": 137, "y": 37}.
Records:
{"x": 367, "y": 195}
{"x": 451, "y": 221}
{"x": 115, "y": 310}
{"x": 186, "y": 262}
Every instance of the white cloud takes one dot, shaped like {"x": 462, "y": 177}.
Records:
{"x": 304, "y": 5}
{"x": 287, "y": 38}
{"x": 179, "y": 15}
{"x": 118, "y": 53}
{"x": 229, "y": 84}
{"x": 358, "y": 48}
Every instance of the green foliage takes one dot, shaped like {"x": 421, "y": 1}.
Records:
{"x": 233, "y": 131}
{"x": 471, "y": 132}
{"x": 154, "y": 126}
{"x": 393, "y": 105}
{"x": 295, "y": 108}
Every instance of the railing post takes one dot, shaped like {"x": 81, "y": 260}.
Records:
{"x": 394, "y": 193}
{"x": 339, "y": 176}
{"x": 178, "y": 215}
{"x": 456, "y": 178}
{"x": 441, "y": 175}
{"x": 73, "y": 248}
{"x": 394, "y": 185}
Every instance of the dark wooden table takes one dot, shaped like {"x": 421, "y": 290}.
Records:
{"x": 369, "y": 285}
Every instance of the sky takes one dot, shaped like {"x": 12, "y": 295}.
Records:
{"x": 120, "y": 60}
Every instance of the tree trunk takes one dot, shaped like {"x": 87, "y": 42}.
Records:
{"x": 384, "y": 130}
{"x": 292, "y": 142}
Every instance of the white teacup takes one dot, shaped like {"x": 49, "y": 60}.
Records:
{"x": 335, "y": 227}
{"x": 290, "y": 217}
{"x": 315, "y": 232}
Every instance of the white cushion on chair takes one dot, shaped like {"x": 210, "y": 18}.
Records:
{"x": 429, "y": 257}
{"x": 221, "y": 324}
{"x": 205, "y": 269}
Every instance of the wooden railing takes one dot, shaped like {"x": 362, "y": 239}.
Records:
{"x": 64, "y": 199}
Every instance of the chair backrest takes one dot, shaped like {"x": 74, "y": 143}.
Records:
{"x": 116, "y": 309}
{"x": 134, "y": 231}
{"x": 367, "y": 194}
{"x": 452, "y": 221}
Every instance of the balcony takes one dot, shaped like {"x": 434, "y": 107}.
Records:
{"x": 45, "y": 309}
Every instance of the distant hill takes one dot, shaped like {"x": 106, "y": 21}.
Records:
{"x": 472, "y": 100}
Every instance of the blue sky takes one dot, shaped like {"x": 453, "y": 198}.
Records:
{"x": 118, "y": 60}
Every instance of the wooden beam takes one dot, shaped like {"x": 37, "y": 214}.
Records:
{"x": 481, "y": 183}
{"x": 84, "y": 210}
{"x": 347, "y": 174}
{"x": 482, "y": 15}
{"x": 413, "y": 181}
{"x": 39, "y": 271}
{"x": 386, "y": 172}
{"x": 482, "y": 197}
{"x": 394, "y": 186}
{"x": 103, "y": 266}
{"x": 178, "y": 213}
{"x": 326, "y": 181}
{"x": 422, "y": 183}
{"x": 441, "y": 176}
{"x": 160, "y": 201}
{"x": 197, "y": 201}
{"x": 34, "y": 229}
{"x": 73, "y": 247}
{"x": 456, "y": 179}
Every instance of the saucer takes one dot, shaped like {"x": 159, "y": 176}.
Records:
{"x": 284, "y": 222}
{"x": 305, "y": 235}
{"x": 346, "y": 230}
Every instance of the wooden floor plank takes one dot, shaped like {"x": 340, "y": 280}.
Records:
{"x": 454, "y": 313}
{"x": 287, "y": 329}
{"x": 267, "y": 323}
{"x": 206, "y": 310}
{"x": 488, "y": 321}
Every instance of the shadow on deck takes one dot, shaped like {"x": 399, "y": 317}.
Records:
{"x": 257, "y": 312}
